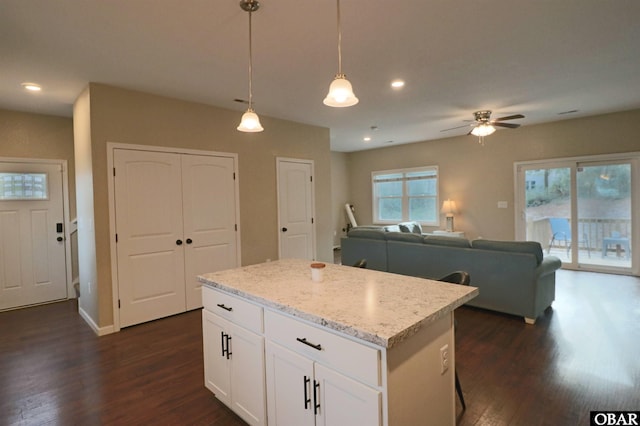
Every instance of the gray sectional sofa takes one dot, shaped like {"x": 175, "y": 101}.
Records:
{"x": 513, "y": 276}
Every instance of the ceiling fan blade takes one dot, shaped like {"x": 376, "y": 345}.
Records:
{"x": 509, "y": 117}
{"x": 453, "y": 128}
{"x": 508, "y": 125}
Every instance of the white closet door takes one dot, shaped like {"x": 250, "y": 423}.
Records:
{"x": 295, "y": 209}
{"x": 209, "y": 196}
{"x": 148, "y": 197}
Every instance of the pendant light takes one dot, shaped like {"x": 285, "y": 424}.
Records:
{"x": 250, "y": 121}
{"x": 340, "y": 92}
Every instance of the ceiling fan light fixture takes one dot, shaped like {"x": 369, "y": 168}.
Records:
{"x": 482, "y": 130}
{"x": 340, "y": 93}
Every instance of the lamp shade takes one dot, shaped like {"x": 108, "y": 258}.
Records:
{"x": 340, "y": 93}
{"x": 250, "y": 122}
{"x": 483, "y": 130}
{"x": 448, "y": 207}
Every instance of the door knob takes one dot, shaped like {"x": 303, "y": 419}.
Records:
{"x": 179, "y": 242}
{"x": 59, "y": 239}
{"x": 189, "y": 240}
{"x": 284, "y": 229}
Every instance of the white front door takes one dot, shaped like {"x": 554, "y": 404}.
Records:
{"x": 295, "y": 208}
{"x": 209, "y": 211}
{"x": 150, "y": 249}
{"x": 32, "y": 259}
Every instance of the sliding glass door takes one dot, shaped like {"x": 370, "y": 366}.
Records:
{"x": 580, "y": 211}
{"x": 604, "y": 213}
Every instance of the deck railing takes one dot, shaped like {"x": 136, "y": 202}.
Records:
{"x": 594, "y": 229}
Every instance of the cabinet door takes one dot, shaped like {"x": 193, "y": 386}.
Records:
{"x": 247, "y": 375}
{"x": 289, "y": 387}
{"x": 344, "y": 401}
{"x": 217, "y": 377}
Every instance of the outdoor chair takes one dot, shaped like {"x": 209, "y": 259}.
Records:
{"x": 561, "y": 231}
{"x": 619, "y": 241}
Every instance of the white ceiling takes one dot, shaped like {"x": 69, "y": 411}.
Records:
{"x": 534, "y": 57}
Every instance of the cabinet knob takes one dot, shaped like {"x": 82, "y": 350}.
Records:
{"x": 178, "y": 242}
{"x": 189, "y": 240}
{"x": 284, "y": 229}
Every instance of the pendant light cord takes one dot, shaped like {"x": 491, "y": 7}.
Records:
{"x": 250, "y": 64}
{"x": 339, "y": 42}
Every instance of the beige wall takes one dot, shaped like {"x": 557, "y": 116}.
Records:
{"x": 25, "y": 135}
{"x": 477, "y": 177}
{"x": 339, "y": 194}
{"x": 124, "y": 116}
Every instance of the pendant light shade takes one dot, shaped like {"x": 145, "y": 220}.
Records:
{"x": 250, "y": 121}
{"x": 340, "y": 91}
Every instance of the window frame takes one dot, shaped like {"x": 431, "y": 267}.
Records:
{"x": 405, "y": 196}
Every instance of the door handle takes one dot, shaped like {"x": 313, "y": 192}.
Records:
{"x": 179, "y": 242}
{"x": 59, "y": 239}
{"x": 284, "y": 229}
{"x": 189, "y": 240}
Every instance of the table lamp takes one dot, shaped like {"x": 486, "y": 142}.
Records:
{"x": 449, "y": 208}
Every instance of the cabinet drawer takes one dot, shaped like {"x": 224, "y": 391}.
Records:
{"x": 347, "y": 356}
{"x": 233, "y": 308}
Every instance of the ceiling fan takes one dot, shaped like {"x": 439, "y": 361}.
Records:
{"x": 484, "y": 125}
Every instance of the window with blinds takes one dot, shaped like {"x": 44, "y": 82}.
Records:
{"x": 406, "y": 194}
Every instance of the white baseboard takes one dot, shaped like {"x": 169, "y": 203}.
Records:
{"x": 100, "y": 331}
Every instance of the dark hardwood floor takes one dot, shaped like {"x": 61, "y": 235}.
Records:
{"x": 581, "y": 355}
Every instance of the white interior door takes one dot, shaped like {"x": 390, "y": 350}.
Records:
{"x": 150, "y": 250}
{"x": 32, "y": 259}
{"x": 295, "y": 208}
{"x": 209, "y": 211}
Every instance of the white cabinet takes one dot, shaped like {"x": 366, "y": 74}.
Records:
{"x": 302, "y": 386}
{"x": 234, "y": 354}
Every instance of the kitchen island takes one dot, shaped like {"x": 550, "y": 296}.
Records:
{"x": 360, "y": 347}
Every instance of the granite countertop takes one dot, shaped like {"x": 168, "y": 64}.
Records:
{"x": 377, "y": 307}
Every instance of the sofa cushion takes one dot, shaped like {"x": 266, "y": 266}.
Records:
{"x": 532, "y": 247}
{"x": 366, "y": 232}
{"x": 406, "y": 237}
{"x": 436, "y": 240}
{"x": 392, "y": 228}
{"x": 413, "y": 227}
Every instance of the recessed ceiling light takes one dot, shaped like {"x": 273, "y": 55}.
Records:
{"x": 367, "y": 139}
{"x": 397, "y": 84}
{"x": 32, "y": 87}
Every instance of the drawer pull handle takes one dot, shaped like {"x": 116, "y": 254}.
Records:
{"x": 221, "y": 305}
{"x": 307, "y": 400}
{"x": 304, "y": 340}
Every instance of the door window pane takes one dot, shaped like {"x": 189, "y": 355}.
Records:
{"x": 23, "y": 186}
{"x": 604, "y": 214}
